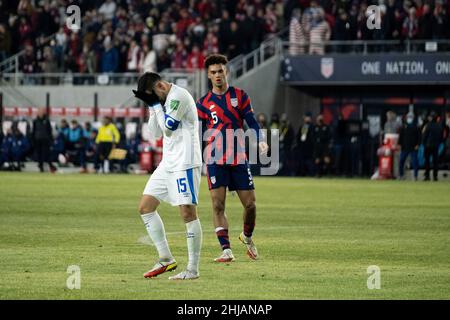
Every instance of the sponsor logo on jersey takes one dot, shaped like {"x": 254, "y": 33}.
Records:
{"x": 174, "y": 104}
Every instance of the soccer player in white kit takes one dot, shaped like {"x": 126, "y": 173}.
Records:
{"x": 177, "y": 178}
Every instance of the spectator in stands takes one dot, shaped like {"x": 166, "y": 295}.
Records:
{"x": 28, "y": 63}
{"x": 196, "y": 59}
{"x": 319, "y": 34}
{"x": 322, "y": 141}
{"x": 235, "y": 41}
{"x": 61, "y": 45}
{"x": 425, "y": 23}
{"x": 148, "y": 62}
{"x": 107, "y": 9}
{"x": 297, "y": 35}
{"x": 5, "y": 42}
{"x": 42, "y": 140}
{"x": 110, "y": 58}
{"x": 410, "y": 25}
{"x": 211, "y": 44}
{"x": 134, "y": 57}
{"x": 179, "y": 56}
{"x": 108, "y": 136}
{"x": 432, "y": 137}
{"x": 440, "y": 24}
{"x": 409, "y": 141}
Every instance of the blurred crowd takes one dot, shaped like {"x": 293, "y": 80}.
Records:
{"x": 342, "y": 148}
{"x": 133, "y": 36}
{"x": 71, "y": 144}
{"x": 346, "y": 148}
{"x": 316, "y": 21}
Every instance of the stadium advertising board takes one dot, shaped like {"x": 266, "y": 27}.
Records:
{"x": 366, "y": 69}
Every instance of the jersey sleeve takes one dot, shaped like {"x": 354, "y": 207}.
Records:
{"x": 175, "y": 109}
{"x": 245, "y": 105}
{"x": 202, "y": 115}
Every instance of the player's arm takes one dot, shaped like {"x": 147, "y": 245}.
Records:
{"x": 166, "y": 121}
{"x": 202, "y": 116}
{"x": 247, "y": 113}
{"x": 170, "y": 118}
{"x": 153, "y": 126}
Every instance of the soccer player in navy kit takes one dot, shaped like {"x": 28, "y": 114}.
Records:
{"x": 225, "y": 108}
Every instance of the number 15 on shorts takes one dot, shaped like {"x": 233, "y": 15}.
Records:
{"x": 181, "y": 183}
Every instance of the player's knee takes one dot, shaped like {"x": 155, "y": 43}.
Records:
{"x": 188, "y": 213}
{"x": 147, "y": 206}
{"x": 218, "y": 207}
{"x": 250, "y": 206}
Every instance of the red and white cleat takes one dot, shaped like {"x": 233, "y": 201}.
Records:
{"x": 161, "y": 267}
{"x": 252, "y": 252}
{"x": 227, "y": 256}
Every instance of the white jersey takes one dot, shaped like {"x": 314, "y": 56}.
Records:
{"x": 181, "y": 143}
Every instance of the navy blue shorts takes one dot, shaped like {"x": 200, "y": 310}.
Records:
{"x": 236, "y": 177}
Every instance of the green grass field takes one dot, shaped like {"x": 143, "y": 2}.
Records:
{"x": 316, "y": 239}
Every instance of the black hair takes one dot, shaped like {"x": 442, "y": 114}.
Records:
{"x": 215, "y": 59}
{"x": 147, "y": 81}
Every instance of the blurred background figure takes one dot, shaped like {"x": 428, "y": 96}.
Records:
{"x": 286, "y": 136}
{"x": 42, "y": 140}
{"x": 108, "y": 136}
{"x": 322, "y": 140}
{"x": 305, "y": 146}
{"x": 433, "y": 134}
{"x": 14, "y": 147}
{"x": 409, "y": 141}
{"x": 297, "y": 36}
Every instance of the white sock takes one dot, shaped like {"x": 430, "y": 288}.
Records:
{"x": 194, "y": 244}
{"x": 155, "y": 229}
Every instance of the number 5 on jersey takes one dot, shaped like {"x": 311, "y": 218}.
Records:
{"x": 214, "y": 116}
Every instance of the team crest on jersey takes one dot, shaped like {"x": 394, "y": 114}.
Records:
{"x": 234, "y": 102}
{"x": 174, "y": 104}
{"x": 213, "y": 179}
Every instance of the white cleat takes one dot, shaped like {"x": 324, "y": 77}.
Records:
{"x": 252, "y": 252}
{"x": 227, "y": 256}
{"x": 185, "y": 275}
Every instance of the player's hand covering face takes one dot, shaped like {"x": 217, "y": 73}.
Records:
{"x": 147, "y": 98}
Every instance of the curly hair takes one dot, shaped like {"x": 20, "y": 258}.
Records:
{"x": 215, "y": 59}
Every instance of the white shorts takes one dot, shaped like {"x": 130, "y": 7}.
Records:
{"x": 176, "y": 188}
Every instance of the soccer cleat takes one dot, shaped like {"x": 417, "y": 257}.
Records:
{"x": 227, "y": 256}
{"x": 252, "y": 252}
{"x": 185, "y": 275}
{"x": 161, "y": 267}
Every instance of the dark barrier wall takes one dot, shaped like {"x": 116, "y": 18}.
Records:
{"x": 352, "y": 69}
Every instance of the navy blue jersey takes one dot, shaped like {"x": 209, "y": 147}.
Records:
{"x": 222, "y": 112}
